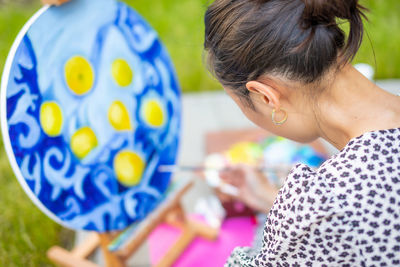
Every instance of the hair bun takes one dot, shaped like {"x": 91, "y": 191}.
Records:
{"x": 326, "y": 11}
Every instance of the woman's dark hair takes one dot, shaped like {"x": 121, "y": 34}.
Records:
{"x": 297, "y": 39}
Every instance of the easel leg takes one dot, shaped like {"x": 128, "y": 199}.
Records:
{"x": 87, "y": 247}
{"x": 111, "y": 260}
{"x": 178, "y": 248}
{"x": 78, "y": 256}
{"x": 63, "y": 257}
{"x": 190, "y": 230}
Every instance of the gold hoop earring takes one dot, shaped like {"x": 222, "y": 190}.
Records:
{"x": 279, "y": 122}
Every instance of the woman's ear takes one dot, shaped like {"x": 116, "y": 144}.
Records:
{"x": 268, "y": 94}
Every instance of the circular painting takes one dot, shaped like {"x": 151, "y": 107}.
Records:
{"x": 90, "y": 109}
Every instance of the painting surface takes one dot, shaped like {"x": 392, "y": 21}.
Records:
{"x": 92, "y": 108}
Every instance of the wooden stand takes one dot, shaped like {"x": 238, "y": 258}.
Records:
{"x": 170, "y": 211}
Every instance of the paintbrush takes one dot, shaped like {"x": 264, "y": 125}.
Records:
{"x": 183, "y": 168}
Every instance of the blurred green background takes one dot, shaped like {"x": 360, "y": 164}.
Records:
{"x": 25, "y": 233}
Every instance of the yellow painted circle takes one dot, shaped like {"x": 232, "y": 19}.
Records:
{"x": 51, "y": 118}
{"x": 79, "y": 75}
{"x": 83, "y": 141}
{"x": 118, "y": 116}
{"x": 121, "y": 72}
{"x": 153, "y": 113}
{"x": 128, "y": 167}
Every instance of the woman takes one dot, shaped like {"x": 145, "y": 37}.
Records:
{"x": 286, "y": 63}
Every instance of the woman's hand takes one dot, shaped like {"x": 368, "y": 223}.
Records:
{"x": 254, "y": 188}
{"x": 54, "y": 2}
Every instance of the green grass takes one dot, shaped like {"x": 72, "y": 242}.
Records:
{"x": 25, "y": 233}
{"x": 383, "y": 31}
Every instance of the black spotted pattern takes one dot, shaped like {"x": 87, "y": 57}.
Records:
{"x": 346, "y": 213}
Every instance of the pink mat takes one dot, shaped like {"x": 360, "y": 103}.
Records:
{"x": 234, "y": 232}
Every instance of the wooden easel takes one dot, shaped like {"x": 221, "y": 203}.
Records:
{"x": 170, "y": 211}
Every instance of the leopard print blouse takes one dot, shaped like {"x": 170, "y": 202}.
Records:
{"x": 346, "y": 213}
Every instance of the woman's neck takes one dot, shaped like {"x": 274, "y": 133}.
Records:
{"x": 354, "y": 105}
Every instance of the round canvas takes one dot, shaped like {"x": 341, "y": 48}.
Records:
{"x": 90, "y": 109}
